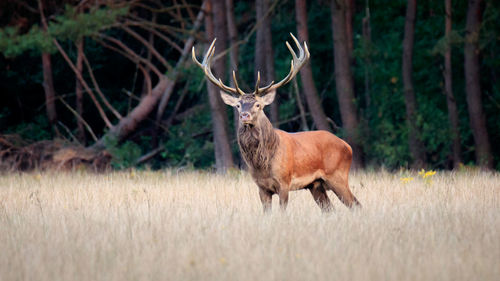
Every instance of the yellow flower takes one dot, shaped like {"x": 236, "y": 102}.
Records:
{"x": 426, "y": 176}
{"x": 406, "y": 180}
{"x": 429, "y": 174}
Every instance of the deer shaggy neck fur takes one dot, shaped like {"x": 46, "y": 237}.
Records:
{"x": 258, "y": 143}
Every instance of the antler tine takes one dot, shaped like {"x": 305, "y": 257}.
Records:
{"x": 236, "y": 84}
{"x": 257, "y": 89}
{"x": 303, "y": 52}
{"x": 210, "y": 52}
{"x": 295, "y": 64}
{"x": 264, "y": 89}
{"x": 294, "y": 55}
{"x": 230, "y": 89}
{"x": 205, "y": 65}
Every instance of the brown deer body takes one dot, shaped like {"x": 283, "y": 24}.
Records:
{"x": 280, "y": 162}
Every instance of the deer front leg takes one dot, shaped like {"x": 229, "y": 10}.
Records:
{"x": 283, "y": 194}
{"x": 266, "y": 199}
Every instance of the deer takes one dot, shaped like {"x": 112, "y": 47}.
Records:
{"x": 278, "y": 161}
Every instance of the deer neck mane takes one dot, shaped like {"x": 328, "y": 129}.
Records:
{"x": 258, "y": 143}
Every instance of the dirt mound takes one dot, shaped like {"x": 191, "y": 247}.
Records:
{"x": 17, "y": 154}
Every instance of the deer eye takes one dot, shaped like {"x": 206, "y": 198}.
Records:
{"x": 238, "y": 105}
{"x": 257, "y": 105}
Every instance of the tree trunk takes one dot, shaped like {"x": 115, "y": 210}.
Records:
{"x": 344, "y": 80}
{"x": 48, "y": 81}
{"x": 260, "y": 50}
{"x": 450, "y": 98}
{"x": 269, "y": 62}
{"x": 264, "y": 53}
{"x": 232, "y": 31}
{"x": 473, "y": 85}
{"x": 233, "y": 62}
{"x": 260, "y": 54}
{"x": 306, "y": 75}
{"x": 50, "y": 92}
{"x": 367, "y": 38}
{"x": 149, "y": 57}
{"x": 145, "y": 88}
{"x": 233, "y": 36}
{"x": 215, "y": 26}
{"x": 302, "y": 111}
{"x": 417, "y": 149}
{"x": 349, "y": 13}
{"x": 80, "y": 135}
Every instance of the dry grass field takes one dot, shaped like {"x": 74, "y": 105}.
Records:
{"x": 199, "y": 226}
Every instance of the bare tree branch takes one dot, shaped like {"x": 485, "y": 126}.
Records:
{"x": 87, "y": 126}
{"x": 28, "y": 7}
{"x": 147, "y": 79}
{"x": 148, "y": 156}
{"x": 189, "y": 10}
{"x": 150, "y": 47}
{"x": 174, "y": 31}
{"x": 177, "y": 106}
{"x": 187, "y": 48}
{"x": 129, "y": 53}
{"x": 178, "y": 15}
{"x": 84, "y": 83}
{"x": 149, "y": 57}
{"x": 165, "y": 9}
{"x": 96, "y": 86}
{"x": 161, "y": 36}
{"x": 163, "y": 88}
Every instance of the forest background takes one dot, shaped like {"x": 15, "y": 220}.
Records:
{"x": 407, "y": 85}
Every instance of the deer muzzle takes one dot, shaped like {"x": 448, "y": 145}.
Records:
{"x": 245, "y": 117}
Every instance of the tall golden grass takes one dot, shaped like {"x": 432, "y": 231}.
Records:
{"x": 200, "y": 226}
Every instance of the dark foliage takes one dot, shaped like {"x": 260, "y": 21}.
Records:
{"x": 185, "y": 137}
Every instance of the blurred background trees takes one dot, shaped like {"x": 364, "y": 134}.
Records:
{"x": 406, "y": 84}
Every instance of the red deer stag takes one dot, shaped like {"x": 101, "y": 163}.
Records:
{"x": 278, "y": 161}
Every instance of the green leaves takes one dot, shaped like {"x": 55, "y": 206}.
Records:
{"x": 124, "y": 154}
{"x": 14, "y": 44}
{"x": 73, "y": 25}
{"x": 69, "y": 26}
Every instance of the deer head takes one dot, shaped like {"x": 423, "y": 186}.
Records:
{"x": 250, "y": 105}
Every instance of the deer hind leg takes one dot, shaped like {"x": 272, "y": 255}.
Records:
{"x": 318, "y": 192}
{"x": 339, "y": 185}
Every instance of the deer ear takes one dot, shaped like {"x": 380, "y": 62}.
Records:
{"x": 268, "y": 98}
{"x": 228, "y": 99}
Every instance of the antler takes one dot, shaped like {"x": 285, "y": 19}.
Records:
{"x": 295, "y": 65}
{"x": 205, "y": 66}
